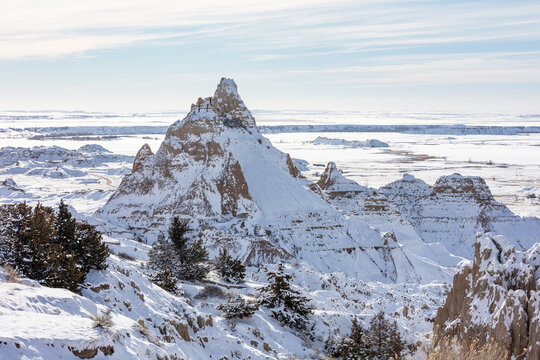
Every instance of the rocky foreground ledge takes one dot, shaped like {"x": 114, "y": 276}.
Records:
{"x": 495, "y": 299}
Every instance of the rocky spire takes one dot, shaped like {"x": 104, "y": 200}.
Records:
{"x": 142, "y": 158}
{"x": 229, "y": 105}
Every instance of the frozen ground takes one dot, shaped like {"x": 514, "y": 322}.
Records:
{"x": 510, "y": 164}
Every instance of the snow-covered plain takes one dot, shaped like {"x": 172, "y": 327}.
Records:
{"x": 86, "y": 177}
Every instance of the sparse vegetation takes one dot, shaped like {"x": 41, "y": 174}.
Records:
{"x": 11, "y": 274}
{"x": 103, "y": 321}
{"x": 125, "y": 256}
{"x": 238, "y": 308}
{"x": 53, "y": 248}
{"x": 381, "y": 341}
{"x": 186, "y": 259}
{"x": 211, "y": 291}
{"x": 165, "y": 280}
{"x": 230, "y": 269}
{"x": 288, "y": 306}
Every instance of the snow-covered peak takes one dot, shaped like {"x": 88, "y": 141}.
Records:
{"x": 214, "y": 162}
{"x": 230, "y": 107}
{"x": 142, "y": 158}
{"x": 227, "y": 87}
{"x": 406, "y": 186}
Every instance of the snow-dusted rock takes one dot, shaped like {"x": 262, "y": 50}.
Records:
{"x": 334, "y": 183}
{"x": 496, "y": 298}
{"x": 449, "y": 213}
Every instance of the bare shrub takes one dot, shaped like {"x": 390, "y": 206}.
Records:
{"x": 211, "y": 291}
{"x": 103, "y": 321}
{"x": 11, "y": 274}
{"x": 125, "y": 256}
{"x": 238, "y": 308}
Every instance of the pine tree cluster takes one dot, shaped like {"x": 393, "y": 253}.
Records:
{"x": 230, "y": 269}
{"x": 53, "y": 248}
{"x": 381, "y": 341}
{"x": 183, "y": 258}
{"x": 288, "y": 306}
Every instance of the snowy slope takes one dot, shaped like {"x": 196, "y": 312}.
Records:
{"x": 146, "y": 322}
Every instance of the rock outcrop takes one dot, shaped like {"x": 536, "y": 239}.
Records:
{"x": 496, "y": 298}
{"x": 335, "y": 184}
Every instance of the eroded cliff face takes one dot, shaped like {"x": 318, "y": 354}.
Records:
{"x": 496, "y": 298}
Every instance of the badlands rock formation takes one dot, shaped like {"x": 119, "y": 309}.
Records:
{"x": 495, "y": 299}
{"x": 450, "y": 212}
{"x": 215, "y": 168}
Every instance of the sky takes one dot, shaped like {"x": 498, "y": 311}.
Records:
{"x": 364, "y": 55}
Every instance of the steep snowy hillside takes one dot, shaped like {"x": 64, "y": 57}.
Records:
{"x": 216, "y": 168}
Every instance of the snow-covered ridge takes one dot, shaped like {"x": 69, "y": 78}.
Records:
{"x": 447, "y": 214}
{"x": 370, "y": 143}
{"x": 57, "y": 131}
{"x": 407, "y": 129}
{"x": 56, "y": 154}
{"x": 46, "y": 173}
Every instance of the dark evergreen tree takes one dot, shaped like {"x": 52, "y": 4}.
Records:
{"x": 40, "y": 231}
{"x": 56, "y": 250}
{"x": 184, "y": 258}
{"x": 178, "y": 233}
{"x": 381, "y": 341}
{"x": 289, "y": 307}
{"x": 15, "y": 242}
{"x": 384, "y": 338}
{"x": 230, "y": 269}
{"x": 63, "y": 271}
{"x": 350, "y": 347}
{"x": 165, "y": 280}
{"x": 65, "y": 227}
{"x": 91, "y": 251}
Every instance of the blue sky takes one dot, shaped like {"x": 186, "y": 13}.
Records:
{"x": 135, "y": 55}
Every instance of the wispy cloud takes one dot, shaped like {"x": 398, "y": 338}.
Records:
{"x": 349, "y": 45}
{"x": 33, "y": 28}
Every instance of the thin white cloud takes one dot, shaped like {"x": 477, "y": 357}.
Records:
{"x": 486, "y": 68}
{"x": 74, "y": 27}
